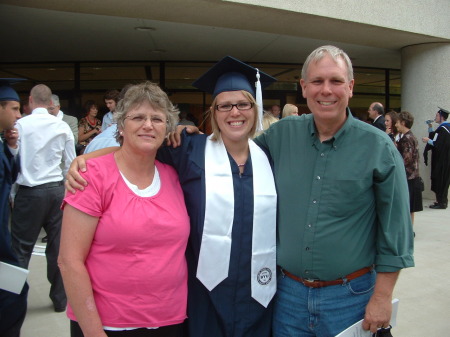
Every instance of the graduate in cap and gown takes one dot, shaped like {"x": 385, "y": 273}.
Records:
{"x": 13, "y": 307}
{"x": 231, "y": 200}
{"x": 438, "y": 142}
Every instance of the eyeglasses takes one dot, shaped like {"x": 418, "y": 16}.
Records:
{"x": 228, "y": 107}
{"x": 142, "y": 119}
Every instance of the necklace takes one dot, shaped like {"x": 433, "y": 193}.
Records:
{"x": 89, "y": 121}
{"x": 240, "y": 165}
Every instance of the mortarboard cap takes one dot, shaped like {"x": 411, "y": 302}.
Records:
{"x": 444, "y": 113}
{"x": 7, "y": 93}
{"x": 230, "y": 74}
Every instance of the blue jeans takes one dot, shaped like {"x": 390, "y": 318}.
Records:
{"x": 301, "y": 311}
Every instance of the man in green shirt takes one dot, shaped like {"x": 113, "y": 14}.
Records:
{"x": 344, "y": 228}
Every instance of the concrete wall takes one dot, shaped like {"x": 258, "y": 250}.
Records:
{"x": 429, "y": 17}
{"x": 425, "y": 86}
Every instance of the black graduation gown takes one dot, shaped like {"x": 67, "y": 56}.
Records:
{"x": 440, "y": 160}
{"x": 228, "y": 310}
{"x": 13, "y": 307}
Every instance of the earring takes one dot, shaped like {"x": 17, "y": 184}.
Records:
{"x": 121, "y": 133}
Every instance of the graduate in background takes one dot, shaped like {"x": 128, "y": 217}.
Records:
{"x": 13, "y": 307}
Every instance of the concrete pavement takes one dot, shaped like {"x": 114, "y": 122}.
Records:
{"x": 424, "y": 308}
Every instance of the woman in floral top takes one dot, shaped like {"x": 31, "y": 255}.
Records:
{"x": 409, "y": 149}
{"x": 89, "y": 126}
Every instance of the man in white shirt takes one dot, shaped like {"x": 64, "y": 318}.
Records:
{"x": 44, "y": 142}
{"x": 111, "y": 98}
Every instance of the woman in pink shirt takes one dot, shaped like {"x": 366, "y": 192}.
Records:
{"x": 123, "y": 239}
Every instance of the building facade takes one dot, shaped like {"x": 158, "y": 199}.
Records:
{"x": 400, "y": 50}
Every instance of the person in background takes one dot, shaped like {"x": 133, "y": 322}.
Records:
{"x": 290, "y": 110}
{"x": 439, "y": 142}
{"x": 26, "y": 110}
{"x": 45, "y": 142}
{"x": 108, "y": 137}
{"x": 13, "y": 307}
{"x": 55, "y": 110}
{"x": 390, "y": 120}
{"x": 231, "y": 199}
{"x": 184, "y": 120}
{"x": 88, "y": 126}
{"x": 130, "y": 221}
{"x": 409, "y": 149}
{"x": 276, "y": 111}
{"x": 111, "y": 98}
{"x": 344, "y": 193}
{"x": 267, "y": 120}
{"x": 376, "y": 113}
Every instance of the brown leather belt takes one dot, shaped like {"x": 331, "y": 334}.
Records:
{"x": 321, "y": 284}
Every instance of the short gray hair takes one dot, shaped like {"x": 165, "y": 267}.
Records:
{"x": 336, "y": 54}
{"x": 55, "y": 100}
{"x": 146, "y": 92}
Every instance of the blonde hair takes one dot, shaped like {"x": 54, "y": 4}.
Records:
{"x": 268, "y": 120}
{"x": 212, "y": 114}
{"x": 289, "y": 109}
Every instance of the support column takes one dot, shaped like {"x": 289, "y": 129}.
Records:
{"x": 425, "y": 86}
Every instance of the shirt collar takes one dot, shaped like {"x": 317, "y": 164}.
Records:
{"x": 350, "y": 120}
{"x": 40, "y": 111}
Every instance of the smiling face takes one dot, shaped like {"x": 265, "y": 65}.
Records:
{"x": 235, "y": 125}
{"x": 327, "y": 90}
{"x": 144, "y": 129}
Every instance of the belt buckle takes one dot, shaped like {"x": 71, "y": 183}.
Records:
{"x": 309, "y": 280}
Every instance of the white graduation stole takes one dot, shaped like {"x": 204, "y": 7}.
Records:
{"x": 214, "y": 259}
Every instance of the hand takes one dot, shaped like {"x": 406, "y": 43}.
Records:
{"x": 11, "y": 137}
{"x": 378, "y": 313}
{"x": 74, "y": 180}
{"x": 425, "y": 139}
{"x": 174, "y": 138}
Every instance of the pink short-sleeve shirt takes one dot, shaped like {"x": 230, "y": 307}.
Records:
{"x": 136, "y": 263}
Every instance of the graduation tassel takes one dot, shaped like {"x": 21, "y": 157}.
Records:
{"x": 259, "y": 101}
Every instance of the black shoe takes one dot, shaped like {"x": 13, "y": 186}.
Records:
{"x": 438, "y": 206}
{"x": 60, "y": 309}
{"x": 433, "y": 204}
{"x": 44, "y": 239}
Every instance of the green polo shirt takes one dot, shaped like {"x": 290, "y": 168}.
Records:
{"x": 342, "y": 204}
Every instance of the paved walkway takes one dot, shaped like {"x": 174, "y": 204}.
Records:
{"x": 423, "y": 291}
